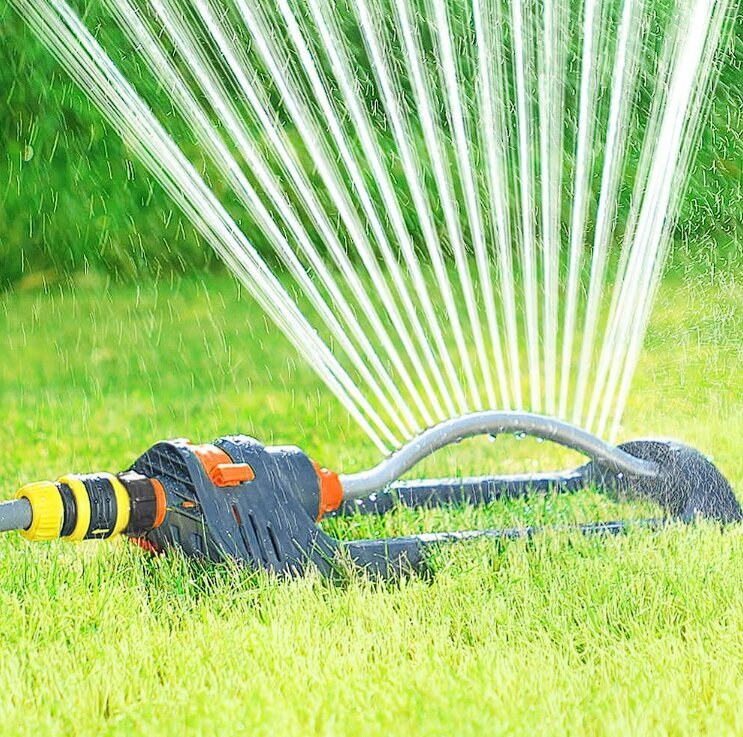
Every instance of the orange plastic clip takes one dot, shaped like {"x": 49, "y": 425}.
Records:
{"x": 220, "y": 468}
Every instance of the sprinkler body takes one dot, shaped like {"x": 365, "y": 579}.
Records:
{"x": 238, "y": 499}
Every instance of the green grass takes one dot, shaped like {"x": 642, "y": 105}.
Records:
{"x": 641, "y": 634}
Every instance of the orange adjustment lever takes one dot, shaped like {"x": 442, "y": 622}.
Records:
{"x": 220, "y": 468}
{"x": 231, "y": 474}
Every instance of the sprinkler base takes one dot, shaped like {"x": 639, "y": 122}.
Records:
{"x": 239, "y": 500}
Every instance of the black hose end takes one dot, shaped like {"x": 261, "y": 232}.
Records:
{"x": 687, "y": 486}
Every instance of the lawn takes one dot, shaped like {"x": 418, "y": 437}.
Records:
{"x": 633, "y": 635}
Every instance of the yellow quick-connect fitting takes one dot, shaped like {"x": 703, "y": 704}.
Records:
{"x": 82, "y": 504}
{"x": 123, "y": 505}
{"x": 90, "y": 507}
{"x": 47, "y": 510}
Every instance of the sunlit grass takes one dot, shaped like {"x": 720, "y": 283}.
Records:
{"x": 638, "y": 634}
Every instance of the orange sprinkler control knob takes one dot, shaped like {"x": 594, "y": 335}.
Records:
{"x": 231, "y": 474}
{"x": 220, "y": 468}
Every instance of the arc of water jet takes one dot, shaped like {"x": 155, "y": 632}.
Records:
{"x": 284, "y": 215}
{"x": 335, "y": 50}
{"x": 431, "y": 136}
{"x": 528, "y": 240}
{"x": 622, "y": 87}
{"x": 472, "y": 205}
{"x": 551, "y": 58}
{"x": 381, "y": 69}
{"x": 205, "y": 132}
{"x": 492, "y": 128}
{"x": 82, "y": 56}
{"x": 580, "y": 195}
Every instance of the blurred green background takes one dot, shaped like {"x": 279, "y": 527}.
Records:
{"x": 72, "y": 199}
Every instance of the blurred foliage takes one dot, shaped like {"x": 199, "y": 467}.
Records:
{"x": 710, "y": 226}
{"x": 72, "y": 198}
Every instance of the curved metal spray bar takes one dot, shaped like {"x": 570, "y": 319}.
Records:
{"x": 358, "y": 485}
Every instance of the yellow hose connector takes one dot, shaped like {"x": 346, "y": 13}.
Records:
{"x": 82, "y": 506}
{"x": 46, "y": 508}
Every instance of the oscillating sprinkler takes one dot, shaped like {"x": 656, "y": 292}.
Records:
{"x": 238, "y": 499}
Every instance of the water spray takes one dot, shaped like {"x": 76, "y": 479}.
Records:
{"x": 236, "y": 499}
{"x": 415, "y": 179}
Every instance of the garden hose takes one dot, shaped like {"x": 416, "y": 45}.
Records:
{"x": 238, "y": 499}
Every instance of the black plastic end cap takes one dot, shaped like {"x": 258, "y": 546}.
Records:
{"x": 687, "y": 486}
